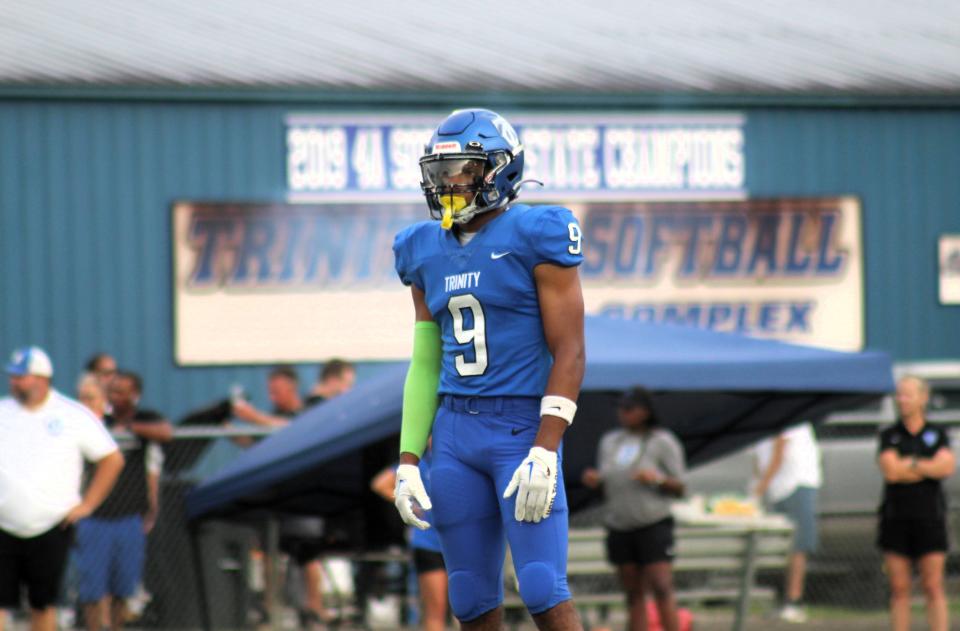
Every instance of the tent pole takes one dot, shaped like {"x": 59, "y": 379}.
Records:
{"x": 272, "y": 579}
{"x": 202, "y": 596}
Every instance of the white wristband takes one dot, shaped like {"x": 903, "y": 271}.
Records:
{"x": 554, "y": 405}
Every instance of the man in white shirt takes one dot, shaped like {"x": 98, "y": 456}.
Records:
{"x": 46, "y": 438}
{"x": 788, "y": 478}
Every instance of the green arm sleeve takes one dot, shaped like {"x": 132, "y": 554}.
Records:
{"x": 420, "y": 388}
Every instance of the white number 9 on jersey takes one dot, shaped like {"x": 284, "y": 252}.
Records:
{"x": 575, "y": 237}
{"x": 477, "y": 334}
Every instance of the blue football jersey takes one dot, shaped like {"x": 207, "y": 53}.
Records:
{"x": 484, "y": 297}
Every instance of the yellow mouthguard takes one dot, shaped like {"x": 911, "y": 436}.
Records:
{"x": 452, "y": 204}
{"x": 447, "y": 221}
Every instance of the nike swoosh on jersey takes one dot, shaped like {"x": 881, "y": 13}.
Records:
{"x": 499, "y": 255}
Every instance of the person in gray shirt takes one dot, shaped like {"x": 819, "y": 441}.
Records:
{"x": 641, "y": 469}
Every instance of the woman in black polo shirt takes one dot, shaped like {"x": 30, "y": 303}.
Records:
{"x": 915, "y": 458}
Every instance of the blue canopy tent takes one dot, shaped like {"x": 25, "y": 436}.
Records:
{"x": 716, "y": 391}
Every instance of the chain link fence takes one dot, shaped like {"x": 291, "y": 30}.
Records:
{"x": 230, "y": 574}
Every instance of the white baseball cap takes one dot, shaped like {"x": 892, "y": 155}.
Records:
{"x": 30, "y": 360}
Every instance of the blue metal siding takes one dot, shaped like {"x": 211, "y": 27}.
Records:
{"x": 86, "y": 189}
{"x": 85, "y": 196}
{"x": 904, "y": 165}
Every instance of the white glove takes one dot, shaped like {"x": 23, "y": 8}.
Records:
{"x": 409, "y": 488}
{"x": 535, "y": 481}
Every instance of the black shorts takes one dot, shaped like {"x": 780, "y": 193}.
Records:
{"x": 912, "y": 538}
{"x": 37, "y": 562}
{"x": 644, "y": 545}
{"x": 302, "y": 550}
{"x": 427, "y": 561}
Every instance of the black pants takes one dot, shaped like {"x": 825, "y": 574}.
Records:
{"x": 35, "y": 562}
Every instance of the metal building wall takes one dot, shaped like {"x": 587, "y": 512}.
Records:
{"x": 904, "y": 165}
{"x": 86, "y": 188}
{"x": 85, "y": 195}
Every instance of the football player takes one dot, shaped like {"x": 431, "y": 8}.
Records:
{"x": 498, "y": 357}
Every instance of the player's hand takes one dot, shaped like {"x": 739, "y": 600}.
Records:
{"x": 410, "y": 489}
{"x": 535, "y": 483}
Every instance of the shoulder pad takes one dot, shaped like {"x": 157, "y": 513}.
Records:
{"x": 554, "y": 235}
{"x": 404, "y": 251}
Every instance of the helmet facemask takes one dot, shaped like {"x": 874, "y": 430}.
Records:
{"x": 460, "y": 186}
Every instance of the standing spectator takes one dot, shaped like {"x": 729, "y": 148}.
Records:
{"x": 336, "y": 377}
{"x": 111, "y": 545}
{"x": 92, "y": 395}
{"x": 427, "y": 554}
{"x": 46, "y": 438}
{"x": 102, "y": 366}
{"x": 915, "y": 458}
{"x": 641, "y": 470}
{"x": 283, "y": 389}
{"x": 300, "y": 537}
{"x": 789, "y": 475}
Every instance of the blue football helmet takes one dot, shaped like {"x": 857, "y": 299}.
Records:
{"x": 473, "y": 164}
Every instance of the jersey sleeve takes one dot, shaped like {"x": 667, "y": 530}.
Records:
{"x": 403, "y": 257}
{"x": 886, "y": 440}
{"x": 94, "y": 440}
{"x": 555, "y": 236}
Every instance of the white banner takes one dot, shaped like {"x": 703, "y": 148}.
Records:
{"x": 259, "y": 283}
{"x": 335, "y": 158}
{"x": 949, "y": 257}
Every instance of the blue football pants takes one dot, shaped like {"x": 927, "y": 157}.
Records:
{"x": 477, "y": 445}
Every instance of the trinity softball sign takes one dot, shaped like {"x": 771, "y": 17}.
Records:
{"x": 305, "y": 282}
